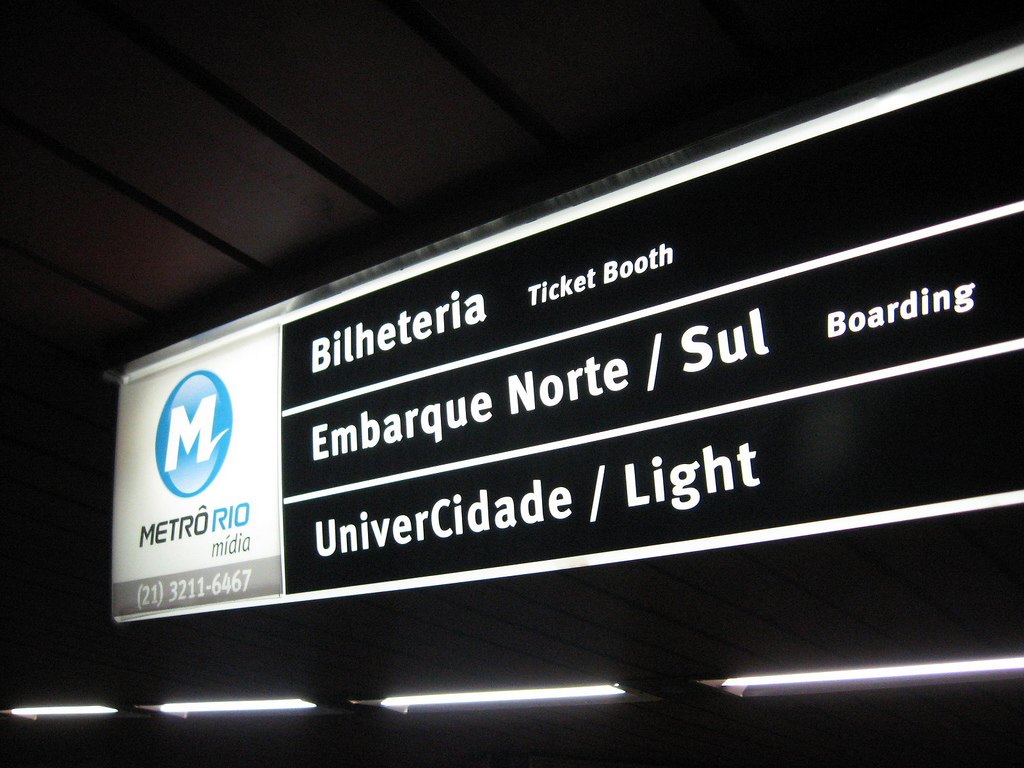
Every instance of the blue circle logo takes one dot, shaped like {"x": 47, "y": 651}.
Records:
{"x": 193, "y": 434}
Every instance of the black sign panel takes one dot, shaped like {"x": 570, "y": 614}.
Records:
{"x": 826, "y": 331}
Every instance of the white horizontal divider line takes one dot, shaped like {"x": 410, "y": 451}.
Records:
{"x": 687, "y": 546}
{"x": 814, "y": 528}
{"x": 943, "y": 361}
{"x": 640, "y": 314}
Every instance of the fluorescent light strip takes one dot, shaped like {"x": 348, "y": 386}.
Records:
{"x": 956, "y": 358}
{"x": 491, "y": 697}
{"x": 807, "y": 681}
{"x": 943, "y": 83}
{"x": 235, "y": 706}
{"x": 47, "y": 711}
{"x": 668, "y": 306}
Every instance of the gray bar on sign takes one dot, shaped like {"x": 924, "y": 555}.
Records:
{"x": 220, "y": 584}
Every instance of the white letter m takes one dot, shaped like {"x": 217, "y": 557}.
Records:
{"x": 185, "y": 432}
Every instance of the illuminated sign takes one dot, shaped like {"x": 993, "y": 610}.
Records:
{"x": 196, "y": 496}
{"x": 819, "y": 330}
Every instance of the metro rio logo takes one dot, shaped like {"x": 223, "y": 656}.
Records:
{"x": 193, "y": 434}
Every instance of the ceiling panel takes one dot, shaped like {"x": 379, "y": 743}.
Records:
{"x": 587, "y": 68}
{"x": 355, "y": 82}
{"x": 83, "y": 84}
{"x": 793, "y": 29}
{"x": 70, "y": 316}
{"x": 47, "y": 374}
{"x": 67, "y": 493}
{"x": 981, "y": 603}
{"x": 57, "y": 433}
{"x": 67, "y": 217}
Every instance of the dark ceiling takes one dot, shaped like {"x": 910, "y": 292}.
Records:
{"x": 172, "y": 165}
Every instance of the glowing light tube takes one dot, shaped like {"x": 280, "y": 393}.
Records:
{"x": 47, "y": 711}
{"x": 235, "y": 706}
{"x": 402, "y": 703}
{"x": 845, "y": 679}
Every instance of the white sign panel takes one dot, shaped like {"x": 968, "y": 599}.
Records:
{"x": 197, "y": 493}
